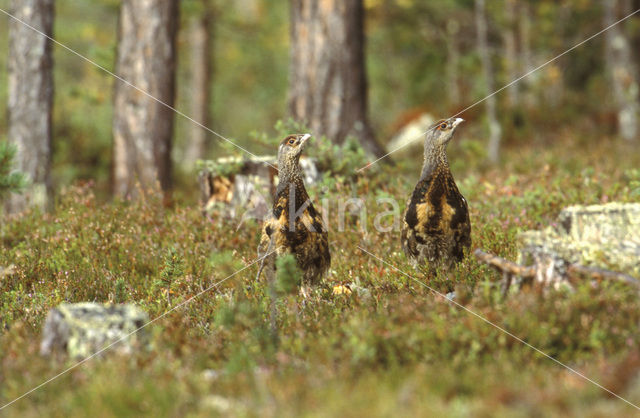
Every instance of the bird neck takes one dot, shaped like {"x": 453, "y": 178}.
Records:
{"x": 289, "y": 172}
{"x": 434, "y": 156}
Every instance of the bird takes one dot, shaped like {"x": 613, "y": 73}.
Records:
{"x": 294, "y": 225}
{"x": 436, "y": 229}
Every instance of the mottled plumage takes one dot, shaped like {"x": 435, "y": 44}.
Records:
{"x": 436, "y": 230}
{"x": 294, "y": 226}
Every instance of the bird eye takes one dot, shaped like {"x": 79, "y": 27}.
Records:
{"x": 291, "y": 141}
{"x": 443, "y": 126}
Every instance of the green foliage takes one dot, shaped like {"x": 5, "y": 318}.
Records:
{"x": 120, "y": 290}
{"x": 215, "y": 168}
{"x": 634, "y": 182}
{"x": 10, "y": 181}
{"x": 173, "y": 268}
{"x": 288, "y": 274}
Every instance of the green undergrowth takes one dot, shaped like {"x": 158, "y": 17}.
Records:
{"x": 391, "y": 347}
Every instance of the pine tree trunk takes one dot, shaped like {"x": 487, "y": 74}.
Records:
{"x": 511, "y": 53}
{"x": 30, "y": 68}
{"x": 143, "y": 127}
{"x": 622, "y": 73}
{"x": 328, "y": 82}
{"x": 200, "y": 39}
{"x": 495, "y": 132}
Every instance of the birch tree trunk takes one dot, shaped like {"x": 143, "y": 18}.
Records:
{"x": 30, "y": 68}
{"x": 327, "y": 80}
{"x": 200, "y": 39}
{"x": 143, "y": 127}
{"x": 495, "y": 132}
{"x": 622, "y": 72}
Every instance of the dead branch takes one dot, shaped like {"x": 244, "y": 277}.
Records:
{"x": 601, "y": 274}
{"x": 509, "y": 268}
{"x": 503, "y": 265}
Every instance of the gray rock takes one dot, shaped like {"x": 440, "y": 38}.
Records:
{"x": 82, "y": 329}
{"x": 601, "y": 236}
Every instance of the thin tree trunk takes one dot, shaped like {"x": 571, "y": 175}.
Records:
{"x": 622, "y": 73}
{"x": 200, "y": 37}
{"x": 30, "y": 68}
{"x": 453, "y": 57}
{"x": 511, "y": 53}
{"x": 495, "y": 132}
{"x": 328, "y": 82}
{"x": 143, "y": 127}
{"x": 526, "y": 57}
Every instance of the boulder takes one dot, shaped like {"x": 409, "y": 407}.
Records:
{"x": 82, "y": 329}
{"x": 599, "y": 236}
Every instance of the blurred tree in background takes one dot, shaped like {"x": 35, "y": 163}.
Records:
{"x": 621, "y": 69}
{"x": 143, "y": 123}
{"x": 200, "y": 32}
{"x": 30, "y": 80}
{"x": 420, "y": 57}
{"x": 327, "y": 79}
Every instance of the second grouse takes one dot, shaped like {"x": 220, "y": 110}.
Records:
{"x": 436, "y": 230}
{"x": 294, "y": 226}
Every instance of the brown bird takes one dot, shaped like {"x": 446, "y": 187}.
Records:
{"x": 294, "y": 226}
{"x": 436, "y": 228}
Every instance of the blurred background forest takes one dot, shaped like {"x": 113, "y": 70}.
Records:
{"x": 420, "y": 57}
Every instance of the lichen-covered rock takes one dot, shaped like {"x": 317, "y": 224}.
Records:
{"x": 605, "y": 236}
{"x": 82, "y": 329}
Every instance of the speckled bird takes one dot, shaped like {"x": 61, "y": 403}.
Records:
{"x": 436, "y": 230}
{"x": 294, "y": 226}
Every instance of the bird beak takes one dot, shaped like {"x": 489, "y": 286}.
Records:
{"x": 457, "y": 122}
{"x": 303, "y": 139}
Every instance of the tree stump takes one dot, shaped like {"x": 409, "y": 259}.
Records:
{"x": 243, "y": 187}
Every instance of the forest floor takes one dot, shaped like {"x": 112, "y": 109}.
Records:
{"x": 394, "y": 349}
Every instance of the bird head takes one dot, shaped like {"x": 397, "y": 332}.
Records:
{"x": 440, "y": 133}
{"x": 290, "y": 149}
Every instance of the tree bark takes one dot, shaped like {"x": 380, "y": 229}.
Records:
{"x": 200, "y": 39}
{"x": 622, "y": 73}
{"x": 142, "y": 126}
{"x": 30, "y": 68}
{"x": 327, "y": 80}
{"x": 495, "y": 132}
{"x": 511, "y": 53}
